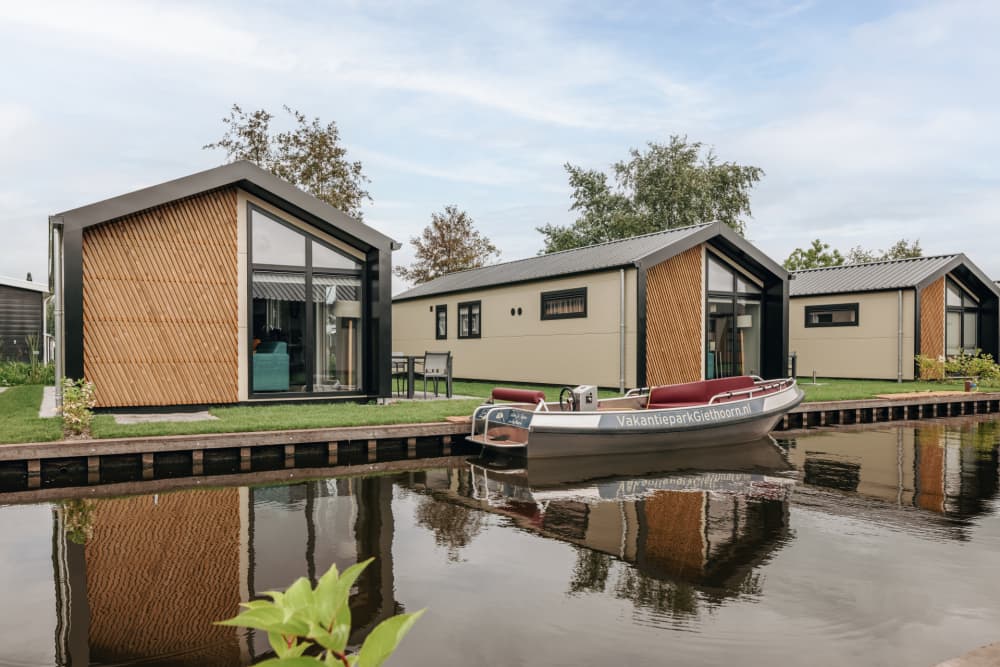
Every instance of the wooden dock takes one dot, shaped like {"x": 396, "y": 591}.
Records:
{"x": 86, "y": 462}
{"x": 877, "y": 410}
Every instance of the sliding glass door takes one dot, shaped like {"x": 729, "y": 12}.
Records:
{"x": 733, "y": 322}
{"x": 306, "y": 312}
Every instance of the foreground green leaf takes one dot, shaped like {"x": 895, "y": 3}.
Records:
{"x": 384, "y": 639}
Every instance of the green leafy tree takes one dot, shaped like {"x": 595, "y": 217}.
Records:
{"x": 820, "y": 255}
{"x": 309, "y": 156}
{"x": 901, "y": 249}
{"x": 675, "y": 184}
{"x": 319, "y": 620}
{"x": 815, "y": 256}
{"x": 450, "y": 243}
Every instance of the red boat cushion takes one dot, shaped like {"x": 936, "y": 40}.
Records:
{"x": 517, "y": 395}
{"x": 697, "y": 393}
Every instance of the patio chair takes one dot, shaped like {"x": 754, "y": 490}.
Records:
{"x": 399, "y": 374}
{"x": 437, "y": 366}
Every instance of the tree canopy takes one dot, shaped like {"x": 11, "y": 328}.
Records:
{"x": 309, "y": 156}
{"x": 676, "y": 184}
{"x": 819, "y": 255}
{"x": 450, "y": 243}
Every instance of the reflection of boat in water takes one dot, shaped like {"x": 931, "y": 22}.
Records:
{"x": 694, "y": 414}
{"x": 688, "y": 516}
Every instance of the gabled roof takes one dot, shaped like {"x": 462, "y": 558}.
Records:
{"x": 23, "y": 284}
{"x": 635, "y": 251}
{"x": 243, "y": 174}
{"x": 878, "y": 276}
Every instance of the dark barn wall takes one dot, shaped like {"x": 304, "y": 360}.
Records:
{"x": 20, "y": 316}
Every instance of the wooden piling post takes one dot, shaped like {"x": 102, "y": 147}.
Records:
{"x": 244, "y": 459}
{"x": 93, "y": 470}
{"x": 372, "y": 451}
{"x": 411, "y": 448}
{"x": 198, "y": 462}
{"x": 331, "y": 453}
{"x": 289, "y": 456}
{"x": 446, "y": 445}
{"x": 34, "y": 473}
{"x": 147, "y": 465}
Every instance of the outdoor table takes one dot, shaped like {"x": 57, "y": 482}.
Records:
{"x": 411, "y": 361}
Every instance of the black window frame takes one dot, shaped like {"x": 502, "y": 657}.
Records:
{"x": 438, "y": 312}
{"x": 307, "y": 270}
{"x": 468, "y": 305}
{"x": 854, "y": 307}
{"x": 573, "y": 293}
{"x": 965, "y": 308}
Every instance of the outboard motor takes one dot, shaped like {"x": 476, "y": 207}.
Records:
{"x": 584, "y": 398}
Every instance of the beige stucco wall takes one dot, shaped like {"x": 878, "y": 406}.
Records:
{"x": 869, "y": 350}
{"x": 524, "y": 348}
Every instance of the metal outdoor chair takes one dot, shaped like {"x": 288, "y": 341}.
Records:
{"x": 437, "y": 366}
{"x": 399, "y": 374}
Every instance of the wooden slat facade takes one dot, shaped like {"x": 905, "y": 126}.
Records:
{"x": 932, "y": 320}
{"x": 155, "y": 587}
{"x": 675, "y": 310}
{"x": 160, "y": 311}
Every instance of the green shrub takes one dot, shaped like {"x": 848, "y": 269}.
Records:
{"x": 14, "y": 373}
{"x": 78, "y": 401}
{"x": 976, "y": 365}
{"x": 303, "y": 619}
{"x": 929, "y": 368}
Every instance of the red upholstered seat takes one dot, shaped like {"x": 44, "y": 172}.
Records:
{"x": 517, "y": 395}
{"x": 697, "y": 393}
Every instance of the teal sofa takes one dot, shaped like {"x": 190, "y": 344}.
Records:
{"x": 270, "y": 366}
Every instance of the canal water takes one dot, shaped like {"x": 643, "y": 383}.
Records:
{"x": 863, "y": 547}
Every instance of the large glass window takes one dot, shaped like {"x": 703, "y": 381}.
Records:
{"x": 733, "y": 323}
{"x": 961, "y": 331}
{"x": 306, "y": 312}
{"x": 441, "y": 322}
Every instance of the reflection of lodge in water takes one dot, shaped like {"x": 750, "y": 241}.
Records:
{"x": 946, "y": 469}
{"x": 709, "y": 530}
{"x": 158, "y": 571}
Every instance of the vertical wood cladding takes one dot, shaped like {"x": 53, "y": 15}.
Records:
{"x": 932, "y": 319}
{"x": 674, "y": 313}
{"x": 160, "y": 307}
{"x": 674, "y": 538}
{"x": 160, "y": 571}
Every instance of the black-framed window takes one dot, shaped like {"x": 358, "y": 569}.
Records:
{"x": 306, "y": 316}
{"x": 441, "y": 322}
{"x": 470, "y": 319}
{"x": 961, "y": 324}
{"x": 564, "y": 304}
{"x": 832, "y": 315}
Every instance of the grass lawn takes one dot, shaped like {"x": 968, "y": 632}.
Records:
{"x": 19, "y": 421}
{"x": 827, "y": 389}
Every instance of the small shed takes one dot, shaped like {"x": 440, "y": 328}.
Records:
{"x": 22, "y": 320}
{"x": 870, "y": 320}
{"x": 226, "y": 286}
{"x": 674, "y": 306}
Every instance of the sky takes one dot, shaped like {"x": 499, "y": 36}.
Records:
{"x": 872, "y": 121}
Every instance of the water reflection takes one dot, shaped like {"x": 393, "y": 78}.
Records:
{"x": 693, "y": 528}
{"x": 948, "y": 469}
{"x": 647, "y": 543}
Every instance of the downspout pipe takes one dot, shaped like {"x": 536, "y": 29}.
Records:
{"x": 56, "y": 233}
{"x": 899, "y": 336}
{"x": 621, "y": 332}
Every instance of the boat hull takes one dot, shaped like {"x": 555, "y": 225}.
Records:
{"x": 557, "y": 434}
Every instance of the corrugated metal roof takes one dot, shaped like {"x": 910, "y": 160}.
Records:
{"x": 868, "y": 277}
{"x": 24, "y": 284}
{"x": 608, "y": 255}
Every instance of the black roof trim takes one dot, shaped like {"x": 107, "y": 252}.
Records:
{"x": 241, "y": 174}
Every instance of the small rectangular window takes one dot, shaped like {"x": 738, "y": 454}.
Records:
{"x": 564, "y": 304}
{"x": 469, "y": 320}
{"x": 834, "y": 315}
{"x": 441, "y": 322}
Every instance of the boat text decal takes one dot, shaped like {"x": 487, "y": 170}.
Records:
{"x": 691, "y": 417}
